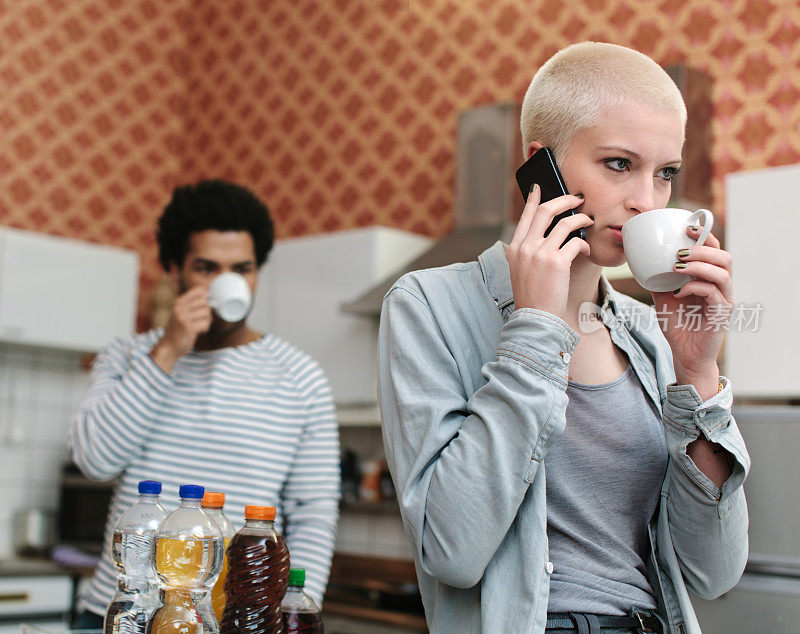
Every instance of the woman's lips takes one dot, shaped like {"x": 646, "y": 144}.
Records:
{"x": 616, "y": 233}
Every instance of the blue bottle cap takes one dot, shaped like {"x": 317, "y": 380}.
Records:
{"x": 149, "y": 487}
{"x": 192, "y": 491}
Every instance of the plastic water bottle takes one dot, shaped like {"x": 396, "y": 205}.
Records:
{"x": 300, "y": 614}
{"x": 213, "y": 503}
{"x": 258, "y": 573}
{"x": 131, "y": 549}
{"x": 188, "y": 557}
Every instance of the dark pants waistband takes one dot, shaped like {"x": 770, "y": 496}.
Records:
{"x": 580, "y": 623}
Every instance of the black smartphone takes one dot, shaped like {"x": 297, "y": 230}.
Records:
{"x": 541, "y": 168}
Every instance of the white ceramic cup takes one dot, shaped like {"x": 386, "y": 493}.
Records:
{"x": 230, "y": 297}
{"x": 651, "y": 241}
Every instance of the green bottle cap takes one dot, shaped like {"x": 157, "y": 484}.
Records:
{"x": 297, "y": 577}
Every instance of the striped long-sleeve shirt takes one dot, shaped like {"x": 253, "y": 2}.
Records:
{"x": 256, "y": 422}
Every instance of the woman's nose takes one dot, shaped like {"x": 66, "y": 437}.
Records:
{"x": 642, "y": 197}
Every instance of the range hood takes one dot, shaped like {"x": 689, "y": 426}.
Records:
{"x": 488, "y": 201}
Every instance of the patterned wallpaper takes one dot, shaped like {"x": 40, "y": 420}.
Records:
{"x": 340, "y": 113}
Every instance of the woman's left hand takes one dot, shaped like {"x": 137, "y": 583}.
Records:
{"x": 695, "y": 318}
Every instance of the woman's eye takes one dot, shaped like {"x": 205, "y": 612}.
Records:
{"x": 618, "y": 164}
{"x": 668, "y": 173}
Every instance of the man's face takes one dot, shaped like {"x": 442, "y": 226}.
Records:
{"x": 212, "y": 253}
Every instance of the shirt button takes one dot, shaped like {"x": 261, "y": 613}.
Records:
{"x": 566, "y": 356}
{"x": 549, "y": 567}
{"x": 702, "y": 414}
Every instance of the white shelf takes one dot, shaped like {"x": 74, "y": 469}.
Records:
{"x": 367, "y": 415}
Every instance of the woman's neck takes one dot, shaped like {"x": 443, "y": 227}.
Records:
{"x": 584, "y": 286}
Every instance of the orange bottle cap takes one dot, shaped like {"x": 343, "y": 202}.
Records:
{"x": 260, "y": 513}
{"x": 213, "y": 498}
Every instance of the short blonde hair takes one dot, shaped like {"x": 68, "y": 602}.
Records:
{"x": 573, "y": 88}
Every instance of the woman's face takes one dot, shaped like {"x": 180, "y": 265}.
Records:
{"x": 623, "y": 166}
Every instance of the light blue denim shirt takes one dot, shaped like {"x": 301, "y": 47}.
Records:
{"x": 473, "y": 395}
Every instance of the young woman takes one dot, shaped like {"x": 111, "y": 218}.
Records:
{"x": 552, "y": 479}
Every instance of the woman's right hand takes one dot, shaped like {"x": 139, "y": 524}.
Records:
{"x": 540, "y": 267}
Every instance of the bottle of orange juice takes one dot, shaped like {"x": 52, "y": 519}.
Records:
{"x": 188, "y": 560}
{"x": 177, "y": 615}
{"x": 213, "y": 503}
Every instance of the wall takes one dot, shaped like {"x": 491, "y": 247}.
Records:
{"x": 91, "y": 118}
{"x": 340, "y": 113}
{"x": 39, "y": 392}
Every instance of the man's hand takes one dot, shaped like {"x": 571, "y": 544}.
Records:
{"x": 191, "y": 317}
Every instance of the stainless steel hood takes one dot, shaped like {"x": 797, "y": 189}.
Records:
{"x": 488, "y": 201}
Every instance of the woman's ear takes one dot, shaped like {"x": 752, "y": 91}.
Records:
{"x": 533, "y": 147}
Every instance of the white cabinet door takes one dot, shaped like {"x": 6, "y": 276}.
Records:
{"x": 63, "y": 293}
{"x": 305, "y": 282}
{"x": 32, "y": 597}
{"x": 762, "y": 223}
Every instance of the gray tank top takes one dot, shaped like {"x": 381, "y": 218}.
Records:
{"x": 604, "y": 479}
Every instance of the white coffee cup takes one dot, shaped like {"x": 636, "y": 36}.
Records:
{"x": 651, "y": 241}
{"x": 230, "y": 297}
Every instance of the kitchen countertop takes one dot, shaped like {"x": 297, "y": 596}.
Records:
{"x": 25, "y": 567}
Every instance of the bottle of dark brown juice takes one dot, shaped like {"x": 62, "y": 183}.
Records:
{"x": 258, "y": 574}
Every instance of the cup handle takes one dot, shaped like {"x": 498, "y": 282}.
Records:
{"x": 708, "y": 222}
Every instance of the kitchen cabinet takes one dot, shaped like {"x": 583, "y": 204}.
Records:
{"x": 761, "y": 228}
{"x": 66, "y": 294}
{"x": 299, "y": 297}
{"x": 34, "y": 592}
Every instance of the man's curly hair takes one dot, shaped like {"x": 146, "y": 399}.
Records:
{"x": 217, "y": 205}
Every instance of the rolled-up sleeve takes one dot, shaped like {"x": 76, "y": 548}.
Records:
{"x": 708, "y": 524}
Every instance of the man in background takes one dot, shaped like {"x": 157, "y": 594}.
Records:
{"x": 205, "y": 401}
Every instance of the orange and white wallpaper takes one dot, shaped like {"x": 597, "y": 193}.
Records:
{"x": 339, "y": 113}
